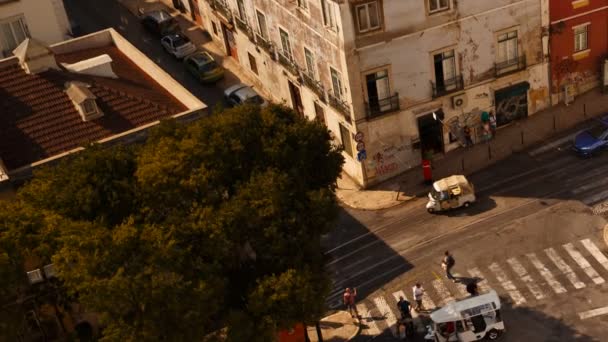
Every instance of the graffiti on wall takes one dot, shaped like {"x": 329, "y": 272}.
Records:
{"x": 387, "y": 161}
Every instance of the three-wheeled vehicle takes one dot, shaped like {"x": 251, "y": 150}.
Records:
{"x": 471, "y": 319}
{"x": 449, "y": 193}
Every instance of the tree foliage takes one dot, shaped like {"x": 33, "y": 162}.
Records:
{"x": 215, "y": 225}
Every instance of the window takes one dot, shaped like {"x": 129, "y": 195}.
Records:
{"x": 319, "y": 113}
{"x": 252, "y": 64}
{"x": 89, "y": 107}
{"x": 310, "y": 63}
{"x": 367, "y": 16}
{"x": 241, "y": 7}
{"x": 580, "y": 38}
{"x": 303, "y": 4}
{"x": 12, "y": 33}
{"x": 262, "y": 25}
{"x": 336, "y": 83}
{"x": 445, "y": 70}
{"x": 346, "y": 140}
{"x": 438, "y": 5}
{"x": 285, "y": 44}
{"x": 214, "y": 26}
{"x": 507, "y": 48}
{"x": 329, "y": 17}
{"x": 378, "y": 89}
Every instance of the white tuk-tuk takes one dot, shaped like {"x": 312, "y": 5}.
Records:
{"x": 451, "y": 192}
{"x": 470, "y": 319}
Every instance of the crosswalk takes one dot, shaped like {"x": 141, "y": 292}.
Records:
{"x": 524, "y": 280}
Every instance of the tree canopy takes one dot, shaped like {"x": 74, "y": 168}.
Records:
{"x": 209, "y": 226}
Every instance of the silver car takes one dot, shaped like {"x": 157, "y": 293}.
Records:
{"x": 178, "y": 45}
{"x": 242, "y": 93}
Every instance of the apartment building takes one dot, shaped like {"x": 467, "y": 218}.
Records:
{"x": 578, "y": 45}
{"x": 44, "y": 20}
{"x": 395, "y": 81}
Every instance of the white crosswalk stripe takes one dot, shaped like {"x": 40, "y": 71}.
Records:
{"x": 482, "y": 284}
{"x": 443, "y": 292}
{"x": 596, "y": 197}
{"x": 583, "y": 263}
{"x": 417, "y": 321}
{"x": 521, "y": 272}
{"x": 564, "y": 268}
{"x": 597, "y": 254}
{"x": 507, "y": 284}
{"x": 427, "y": 302}
{"x": 387, "y": 313}
{"x": 367, "y": 320}
{"x": 545, "y": 273}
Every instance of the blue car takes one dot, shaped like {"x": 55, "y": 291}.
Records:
{"x": 592, "y": 140}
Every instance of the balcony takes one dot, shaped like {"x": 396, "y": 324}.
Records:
{"x": 377, "y": 107}
{"x": 447, "y": 86}
{"x": 266, "y": 45}
{"x": 512, "y": 65}
{"x": 244, "y": 27}
{"x": 222, "y": 7}
{"x": 314, "y": 85}
{"x": 289, "y": 64}
{"x": 340, "y": 105}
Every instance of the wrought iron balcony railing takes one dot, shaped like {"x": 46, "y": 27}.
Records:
{"x": 222, "y": 7}
{"x": 244, "y": 27}
{"x": 376, "y": 107}
{"x": 314, "y": 85}
{"x": 265, "y": 44}
{"x": 447, "y": 86}
{"x": 340, "y": 105}
{"x": 509, "y": 66}
{"x": 289, "y": 64}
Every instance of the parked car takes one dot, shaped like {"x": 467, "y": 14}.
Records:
{"x": 202, "y": 66}
{"x": 178, "y": 45}
{"x": 242, "y": 93}
{"x": 160, "y": 23}
{"x": 592, "y": 140}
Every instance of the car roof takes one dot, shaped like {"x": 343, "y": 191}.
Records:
{"x": 245, "y": 93}
{"x": 201, "y": 58}
{"x": 233, "y": 88}
{"x": 174, "y": 36}
{"x": 159, "y": 15}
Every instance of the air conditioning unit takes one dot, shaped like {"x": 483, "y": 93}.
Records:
{"x": 459, "y": 101}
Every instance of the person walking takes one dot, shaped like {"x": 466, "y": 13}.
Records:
{"x": 418, "y": 292}
{"x": 406, "y": 316}
{"x": 349, "y": 301}
{"x": 447, "y": 263}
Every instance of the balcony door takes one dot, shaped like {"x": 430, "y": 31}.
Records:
{"x": 378, "y": 91}
{"x": 445, "y": 70}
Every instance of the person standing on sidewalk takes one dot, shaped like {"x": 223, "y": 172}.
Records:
{"x": 493, "y": 123}
{"x": 349, "y": 301}
{"x": 467, "y": 137}
{"x": 418, "y": 292}
{"x": 447, "y": 263}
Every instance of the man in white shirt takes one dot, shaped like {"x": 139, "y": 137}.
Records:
{"x": 418, "y": 291}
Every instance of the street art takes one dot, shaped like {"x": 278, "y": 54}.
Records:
{"x": 386, "y": 162}
{"x": 511, "y": 108}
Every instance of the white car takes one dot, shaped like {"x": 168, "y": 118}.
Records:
{"x": 242, "y": 93}
{"x": 178, "y": 45}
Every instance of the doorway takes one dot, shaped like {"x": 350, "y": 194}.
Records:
{"x": 378, "y": 90}
{"x": 196, "y": 12}
{"x": 431, "y": 134}
{"x": 296, "y": 98}
{"x": 230, "y": 42}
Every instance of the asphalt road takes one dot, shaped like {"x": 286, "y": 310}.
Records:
{"x": 529, "y": 210}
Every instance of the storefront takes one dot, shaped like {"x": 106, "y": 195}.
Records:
{"x": 511, "y": 103}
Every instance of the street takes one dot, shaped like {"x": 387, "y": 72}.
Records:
{"x": 534, "y": 235}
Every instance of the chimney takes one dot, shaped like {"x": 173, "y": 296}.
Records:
{"x": 84, "y": 100}
{"x": 35, "y": 57}
{"x": 96, "y": 66}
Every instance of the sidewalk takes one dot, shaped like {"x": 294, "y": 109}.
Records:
{"x": 516, "y": 137}
{"x": 337, "y": 327}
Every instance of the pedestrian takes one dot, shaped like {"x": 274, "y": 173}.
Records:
{"x": 467, "y": 136}
{"x": 418, "y": 292}
{"x": 349, "y": 301}
{"x": 472, "y": 288}
{"x": 492, "y": 123}
{"x": 447, "y": 263}
{"x": 406, "y": 316}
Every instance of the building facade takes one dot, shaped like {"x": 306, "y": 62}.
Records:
{"x": 578, "y": 45}
{"x": 44, "y": 20}
{"x": 392, "y": 91}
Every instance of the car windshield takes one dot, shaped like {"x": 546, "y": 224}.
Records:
{"x": 255, "y": 100}
{"x": 180, "y": 40}
{"x": 169, "y": 25}
{"x": 597, "y": 131}
{"x": 208, "y": 66}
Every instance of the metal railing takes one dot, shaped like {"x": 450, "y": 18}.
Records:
{"x": 340, "y": 105}
{"x": 222, "y": 7}
{"x": 448, "y": 86}
{"x": 244, "y": 27}
{"x": 376, "y": 107}
{"x": 314, "y": 85}
{"x": 512, "y": 65}
{"x": 289, "y": 64}
{"x": 265, "y": 44}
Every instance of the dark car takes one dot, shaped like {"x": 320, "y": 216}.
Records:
{"x": 160, "y": 23}
{"x": 592, "y": 140}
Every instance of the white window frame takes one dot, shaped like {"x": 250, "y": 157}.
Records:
{"x": 506, "y": 37}
{"x": 264, "y": 34}
{"x": 578, "y": 36}
{"x": 311, "y": 68}
{"x": 285, "y": 52}
{"x": 337, "y": 93}
{"x": 241, "y": 11}
{"x": 329, "y": 15}
{"x": 347, "y": 145}
{"x": 92, "y": 106}
{"x": 4, "y": 44}
{"x": 438, "y": 4}
{"x": 368, "y": 18}
{"x": 303, "y": 5}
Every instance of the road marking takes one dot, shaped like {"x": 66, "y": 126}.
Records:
{"x": 593, "y": 313}
{"x": 482, "y": 282}
{"x": 597, "y": 254}
{"x": 507, "y": 284}
{"x": 555, "y": 285}
{"x": 417, "y": 321}
{"x": 443, "y": 292}
{"x": 594, "y": 185}
{"x": 461, "y": 287}
{"x": 583, "y": 263}
{"x": 564, "y": 268}
{"x": 596, "y": 198}
{"x": 371, "y": 329}
{"x": 427, "y": 302}
{"x": 521, "y": 272}
{"x": 386, "y": 312}
{"x": 553, "y": 144}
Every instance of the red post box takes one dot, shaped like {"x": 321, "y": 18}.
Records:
{"x": 426, "y": 171}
